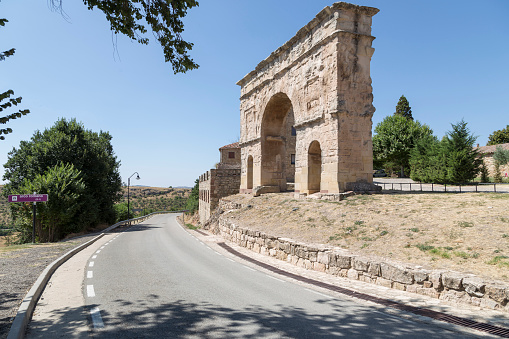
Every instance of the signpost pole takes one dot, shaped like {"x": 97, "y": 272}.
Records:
{"x": 33, "y": 223}
{"x": 34, "y": 211}
{"x": 29, "y": 198}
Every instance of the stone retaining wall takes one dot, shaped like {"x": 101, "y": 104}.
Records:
{"x": 444, "y": 285}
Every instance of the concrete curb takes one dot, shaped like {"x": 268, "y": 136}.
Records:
{"x": 26, "y": 309}
{"x": 27, "y": 306}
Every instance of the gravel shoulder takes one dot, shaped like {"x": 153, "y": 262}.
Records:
{"x": 464, "y": 232}
{"x": 20, "y": 268}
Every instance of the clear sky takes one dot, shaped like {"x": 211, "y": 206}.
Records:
{"x": 449, "y": 58}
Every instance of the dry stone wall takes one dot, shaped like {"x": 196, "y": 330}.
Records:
{"x": 444, "y": 285}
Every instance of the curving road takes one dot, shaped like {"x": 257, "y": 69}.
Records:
{"x": 156, "y": 280}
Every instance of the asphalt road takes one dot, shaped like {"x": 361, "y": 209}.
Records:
{"x": 156, "y": 280}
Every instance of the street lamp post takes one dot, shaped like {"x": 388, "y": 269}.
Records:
{"x": 129, "y": 184}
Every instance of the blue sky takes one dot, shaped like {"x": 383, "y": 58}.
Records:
{"x": 449, "y": 58}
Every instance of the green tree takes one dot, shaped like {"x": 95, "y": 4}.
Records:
{"x": 56, "y": 217}
{"x": 91, "y": 153}
{"x": 463, "y": 162}
{"x": 499, "y": 137}
{"x": 428, "y": 161}
{"x": 193, "y": 203}
{"x": 7, "y": 96}
{"x": 164, "y": 17}
{"x": 403, "y": 108}
{"x": 501, "y": 157}
{"x": 395, "y": 137}
{"x": 121, "y": 211}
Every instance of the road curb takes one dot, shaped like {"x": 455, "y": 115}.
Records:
{"x": 27, "y": 306}
{"x": 26, "y": 309}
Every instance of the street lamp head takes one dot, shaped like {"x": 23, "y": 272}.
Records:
{"x": 138, "y": 177}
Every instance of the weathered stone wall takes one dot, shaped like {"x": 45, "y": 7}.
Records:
{"x": 226, "y": 161}
{"x": 324, "y": 73}
{"x": 214, "y": 185}
{"x": 490, "y": 165}
{"x": 444, "y": 285}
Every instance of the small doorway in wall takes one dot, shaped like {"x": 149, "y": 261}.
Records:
{"x": 314, "y": 167}
{"x": 249, "y": 172}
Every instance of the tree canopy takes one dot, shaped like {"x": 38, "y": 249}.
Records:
{"x": 403, "y": 108}
{"x": 192, "y": 203}
{"x": 8, "y": 96}
{"x": 90, "y": 153}
{"x": 55, "y": 217}
{"x": 499, "y": 137}
{"x": 451, "y": 160}
{"x": 395, "y": 137}
{"x": 164, "y": 17}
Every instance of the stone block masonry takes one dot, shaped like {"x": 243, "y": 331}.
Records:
{"x": 444, "y": 285}
{"x": 306, "y": 110}
{"x": 214, "y": 185}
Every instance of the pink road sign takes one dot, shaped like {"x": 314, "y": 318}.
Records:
{"x": 28, "y": 197}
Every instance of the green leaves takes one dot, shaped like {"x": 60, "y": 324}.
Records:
{"x": 395, "y": 137}
{"x": 128, "y": 17}
{"x": 451, "y": 160}
{"x": 6, "y": 95}
{"x": 55, "y": 218}
{"x": 403, "y": 108}
{"x": 68, "y": 143}
{"x": 501, "y": 156}
{"x": 499, "y": 137}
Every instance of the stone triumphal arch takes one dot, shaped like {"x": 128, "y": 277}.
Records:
{"x": 306, "y": 110}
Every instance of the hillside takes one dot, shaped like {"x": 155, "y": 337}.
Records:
{"x": 467, "y": 232}
{"x": 152, "y": 199}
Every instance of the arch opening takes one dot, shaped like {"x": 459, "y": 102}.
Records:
{"x": 278, "y": 143}
{"x": 314, "y": 167}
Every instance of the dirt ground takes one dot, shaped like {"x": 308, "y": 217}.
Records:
{"x": 466, "y": 232}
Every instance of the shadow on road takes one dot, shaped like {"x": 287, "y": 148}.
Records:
{"x": 180, "y": 319}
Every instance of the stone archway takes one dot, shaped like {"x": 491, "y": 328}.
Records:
{"x": 277, "y": 143}
{"x": 319, "y": 83}
{"x": 314, "y": 167}
{"x": 250, "y": 172}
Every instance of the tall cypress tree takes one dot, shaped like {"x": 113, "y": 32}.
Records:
{"x": 403, "y": 108}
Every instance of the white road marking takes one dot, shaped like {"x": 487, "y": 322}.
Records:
{"x": 102, "y": 247}
{"x": 97, "y": 320}
{"x": 98, "y": 251}
{"x": 321, "y": 294}
{"x": 91, "y": 264}
{"x": 90, "y": 274}
{"x": 90, "y": 291}
{"x": 94, "y": 256}
{"x": 275, "y": 278}
{"x": 218, "y": 253}
{"x": 231, "y": 260}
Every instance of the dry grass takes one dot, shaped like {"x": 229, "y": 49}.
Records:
{"x": 466, "y": 232}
